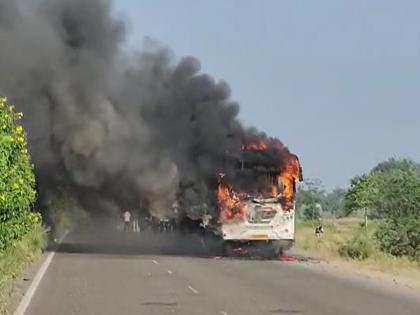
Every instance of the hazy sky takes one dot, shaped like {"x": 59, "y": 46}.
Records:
{"x": 337, "y": 81}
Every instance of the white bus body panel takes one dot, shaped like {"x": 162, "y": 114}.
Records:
{"x": 264, "y": 221}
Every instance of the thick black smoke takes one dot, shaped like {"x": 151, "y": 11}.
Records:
{"x": 115, "y": 129}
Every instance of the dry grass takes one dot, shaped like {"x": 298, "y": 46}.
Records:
{"x": 337, "y": 232}
{"x": 14, "y": 259}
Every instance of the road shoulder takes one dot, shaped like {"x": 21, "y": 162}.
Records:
{"x": 19, "y": 286}
{"x": 356, "y": 271}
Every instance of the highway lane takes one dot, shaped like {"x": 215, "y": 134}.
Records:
{"x": 107, "y": 272}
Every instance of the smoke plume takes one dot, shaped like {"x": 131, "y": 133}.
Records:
{"x": 113, "y": 127}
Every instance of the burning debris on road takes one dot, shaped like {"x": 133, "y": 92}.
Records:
{"x": 116, "y": 128}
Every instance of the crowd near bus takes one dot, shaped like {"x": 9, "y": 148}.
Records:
{"x": 133, "y": 222}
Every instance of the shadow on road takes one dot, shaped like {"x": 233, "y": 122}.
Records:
{"x": 284, "y": 311}
{"x": 107, "y": 239}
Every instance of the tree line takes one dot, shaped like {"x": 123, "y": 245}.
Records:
{"x": 389, "y": 194}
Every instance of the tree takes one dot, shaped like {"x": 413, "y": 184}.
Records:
{"x": 334, "y": 201}
{"x": 391, "y": 191}
{"x": 311, "y": 212}
{"x": 361, "y": 194}
{"x": 393, "y": 164}
{"x": 309, "y": 200}
{"x": 398, "y": 194}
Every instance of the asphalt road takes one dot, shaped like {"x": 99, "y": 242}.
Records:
{"x": 103, "y": 271}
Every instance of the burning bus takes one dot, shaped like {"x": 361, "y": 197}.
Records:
{"x": 255, "y": 199}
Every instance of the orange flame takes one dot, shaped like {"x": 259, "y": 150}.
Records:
{"x": 274, "y": 190}
{"x": 288, "y": 177}
{"x": 229, "y": 202}
{"x": 231, "y": 207}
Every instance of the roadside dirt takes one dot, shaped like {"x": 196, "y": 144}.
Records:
{"x": 408, "y": 278}
{"x": 17, "y": 287}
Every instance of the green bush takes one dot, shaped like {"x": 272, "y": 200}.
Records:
{"x": 62, "y": 211}
{"x": 400, "y": 237}
{"x": 359, "y": 247}
{"x": 311, "y": 213}
{"x": 17, "y": 180}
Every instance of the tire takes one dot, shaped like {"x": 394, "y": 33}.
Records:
{"x": 270, "y": 252}
{"x": 282, "y": 245}
{"x": 228, "y": 249}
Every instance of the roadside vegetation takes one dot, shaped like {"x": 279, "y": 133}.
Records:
{"x": 375, "y": 223}
{"x": 61, "y": 212}
{"x": 17, "y": 180}
{"x": 344, "y": 244}
{"x": 14, "y": 259}
{"x": 21, "y": 235}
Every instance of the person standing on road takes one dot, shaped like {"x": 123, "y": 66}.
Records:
{"x": 136, "y": 227}
{"x": 127, "y": 220}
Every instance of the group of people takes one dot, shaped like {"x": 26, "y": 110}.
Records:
{"x": 133, "y": 223}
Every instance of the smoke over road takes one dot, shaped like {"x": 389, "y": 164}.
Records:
{"x": 115, "y": 127}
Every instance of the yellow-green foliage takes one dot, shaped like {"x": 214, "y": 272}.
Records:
{"x": 17, "y": 180}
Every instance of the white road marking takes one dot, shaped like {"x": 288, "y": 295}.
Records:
{"x": 193, "y": 290}
{"x": 155, "y": 262}
{"x": 169, "y": 272}
{"x": 26, "y": 300}
{"x": 224, "y": 313}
